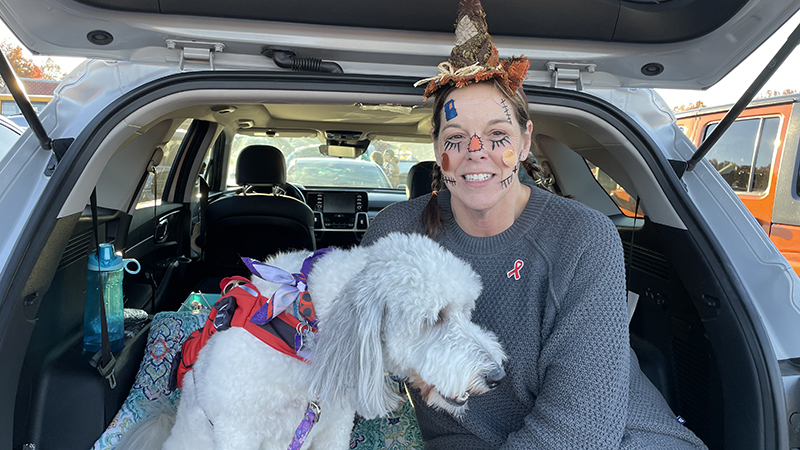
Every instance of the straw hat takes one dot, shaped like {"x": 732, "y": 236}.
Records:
{"x": 474, "y": 58}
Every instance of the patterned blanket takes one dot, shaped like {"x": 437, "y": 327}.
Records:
{"x": 167, "y": 333}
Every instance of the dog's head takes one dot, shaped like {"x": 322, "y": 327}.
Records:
{"x": 406, "y": 312}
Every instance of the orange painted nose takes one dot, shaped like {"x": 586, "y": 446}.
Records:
{"x": 475, "y": 143}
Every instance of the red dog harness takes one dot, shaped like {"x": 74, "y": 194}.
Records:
{"x": 242, "y": 305}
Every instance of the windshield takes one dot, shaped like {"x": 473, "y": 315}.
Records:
{"x": 384, "y": 165}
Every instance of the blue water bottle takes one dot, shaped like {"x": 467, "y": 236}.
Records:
{"x": 106, "y": 272}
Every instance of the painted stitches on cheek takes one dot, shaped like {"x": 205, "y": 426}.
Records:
{"x": 506, "y": 182}
{"x": 448, "y": 180}
{"x": 450, "y": 110}
{"x": 505, "y": 108}
{"x": 475, "y": 144}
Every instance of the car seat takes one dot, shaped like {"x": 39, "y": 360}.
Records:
{"x": 419, "y": 179}
{"x": 255, "y": 225}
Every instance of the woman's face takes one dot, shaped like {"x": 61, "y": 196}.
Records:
{"x": 478, "y": 126}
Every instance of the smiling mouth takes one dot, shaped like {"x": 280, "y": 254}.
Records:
{"x": 478, "y": 176}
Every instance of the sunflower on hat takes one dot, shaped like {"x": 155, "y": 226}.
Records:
{"x": 474, "y": 58}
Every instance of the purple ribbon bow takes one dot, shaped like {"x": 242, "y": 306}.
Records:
{"x": 292, "y": 285}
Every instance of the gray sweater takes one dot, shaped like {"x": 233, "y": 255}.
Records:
{"x": 572, "y": 380}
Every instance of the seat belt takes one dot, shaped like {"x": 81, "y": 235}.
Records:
{"x": 107, "y": 361}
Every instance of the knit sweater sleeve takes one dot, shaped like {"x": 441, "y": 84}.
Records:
{"x": 584, "y": 360}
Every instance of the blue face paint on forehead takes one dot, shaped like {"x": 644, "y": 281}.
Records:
{"x": 450, "y": 110}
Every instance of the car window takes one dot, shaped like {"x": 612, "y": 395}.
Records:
{"x": 384, "y": 165}
{"x": 154, "y": 188}
{"x": 625, "y": 202}
{"x": 7, "y": 139}
{"x": 746, "y": 144}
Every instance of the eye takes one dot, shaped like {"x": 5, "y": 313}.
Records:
{"x": 502, "y": 140}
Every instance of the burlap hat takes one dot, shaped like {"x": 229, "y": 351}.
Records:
{"x": 474, "y": 58}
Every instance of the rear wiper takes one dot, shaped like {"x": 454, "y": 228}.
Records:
{"x": 792, "y": 41}
{"x": 57, "y": 146}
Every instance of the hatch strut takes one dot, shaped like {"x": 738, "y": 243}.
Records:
{"x": 776, "y": 61}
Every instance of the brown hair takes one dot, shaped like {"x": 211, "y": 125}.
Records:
{"x": 430, "y": 218}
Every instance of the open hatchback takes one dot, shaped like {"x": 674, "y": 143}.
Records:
{"x": 175, "y": 90}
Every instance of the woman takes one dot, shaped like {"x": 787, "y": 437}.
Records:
{"x": 553, "y": 275}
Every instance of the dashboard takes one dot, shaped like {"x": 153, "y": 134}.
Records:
{"x": 342, "y": 216}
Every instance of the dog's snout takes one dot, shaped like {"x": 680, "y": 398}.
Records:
{"x": 494, "y": 377}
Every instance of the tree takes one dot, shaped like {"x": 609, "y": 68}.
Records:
{"x": 24, "y": 66}
{"x": 52, "y": 71}
{"x": 687, "y": 107}
{"x": 775, "y": 93}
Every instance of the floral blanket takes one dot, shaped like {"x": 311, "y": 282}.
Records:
{"x": 167, "y": 333}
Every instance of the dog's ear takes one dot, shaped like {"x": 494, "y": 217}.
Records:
{"x": 347, "y": 356}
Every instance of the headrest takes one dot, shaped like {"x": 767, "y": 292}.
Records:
{"x": 419, "y": 179}
{"x": 260, "y": 165}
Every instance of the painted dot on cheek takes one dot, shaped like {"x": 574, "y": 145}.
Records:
{"x": 509, "y": 157}
{"x": 445, "y": 162}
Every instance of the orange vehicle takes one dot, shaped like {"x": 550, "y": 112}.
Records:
{"x": 758, "y": 158}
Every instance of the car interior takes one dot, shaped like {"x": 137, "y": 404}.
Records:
{"x": 175, "y": 193}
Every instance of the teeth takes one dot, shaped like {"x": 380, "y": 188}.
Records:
{"x": 478, "y": 176}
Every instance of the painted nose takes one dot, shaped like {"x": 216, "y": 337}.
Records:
{"x": 493, "y": 379}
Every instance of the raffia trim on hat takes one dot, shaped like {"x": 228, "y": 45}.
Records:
{"x": 509, "y": 73}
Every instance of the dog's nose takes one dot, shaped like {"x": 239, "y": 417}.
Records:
{"x": 493, "y": 378}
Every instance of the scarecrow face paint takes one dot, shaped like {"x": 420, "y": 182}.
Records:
{"x": 450, "y": 110}
{"x": 470, "y": 149}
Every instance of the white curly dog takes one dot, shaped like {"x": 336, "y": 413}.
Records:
{"x": 400, "y": 306}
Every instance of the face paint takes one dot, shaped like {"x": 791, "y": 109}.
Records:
{"x": 445, "y": 162}
{"x": 506, "y": 182}
{"x": 450, "y": 110}
{"x": 505, "y": 141}
{"x": 475, "y": 143}
{"x": 505, "y": 108}
{"x": 452, "y": 145}
{"x": 448, "y": 181}
{"x": 510, "y": 157}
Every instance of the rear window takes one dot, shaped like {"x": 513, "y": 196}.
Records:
{"x": 384, "y": 165}
{"x": 626, "y": 203}
{"x": 745, "y": 153}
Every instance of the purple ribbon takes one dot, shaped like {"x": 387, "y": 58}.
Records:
{"x": 292, "y": 285}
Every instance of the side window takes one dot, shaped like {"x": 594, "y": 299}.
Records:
{"x": 153, "y": 189}
{"x": 625, "y": 202}
{"x": 744, "y": 154}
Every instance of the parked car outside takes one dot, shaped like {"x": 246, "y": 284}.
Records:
{"x": 716, "y": 307}
{"x": 336, "y": 172}
{"x": 758, "y": 158}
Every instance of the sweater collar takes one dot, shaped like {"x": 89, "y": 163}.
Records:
{"x": 528, "y": 219}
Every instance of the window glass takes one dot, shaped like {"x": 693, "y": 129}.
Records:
{"x": 7, "y": 139}
{"x": 384, "y": 165}
{"x": 153, "y": 188}
{"x": 767, "y": 146}
{"x": 625, "y": 202}
{"x": 735, "y": 153}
